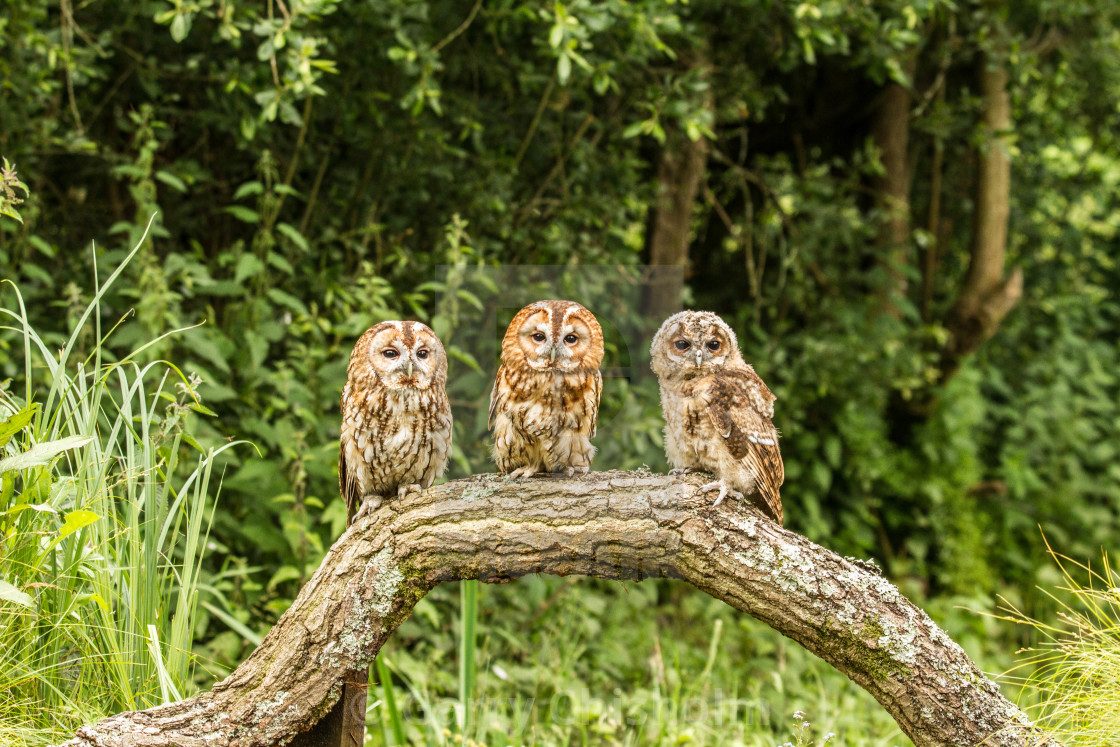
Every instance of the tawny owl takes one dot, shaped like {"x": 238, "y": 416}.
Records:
{"x": 717, "y": 409}
{"x": 396, "y": 421}
{"x": 545, "y": 401}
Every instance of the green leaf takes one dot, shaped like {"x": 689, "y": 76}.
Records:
{"x": 832, "y": 451}
{"x": 171, "y": 180}
{"x": 564, "y": 69}
{"x": 16, "y": 423}
{"x": 247, "y": 266}
{"x": 287, "y": 300}
{"x": 9, "y": 593}
{"x": 75, "y": 520}
{"x": 296, "y": 237}
{"x": 243, "y": 213}
{"x": 41, "y": 454}
{"x": 248, "y": 188}
{"x": 283, "y": 573}
{"x": 634, "y": 130}
{"x": 277, "y": 260}
{"x": 180, "y": 26}
{"x": 41, "y": 507}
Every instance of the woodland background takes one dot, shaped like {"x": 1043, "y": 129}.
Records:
{"x": 907, "y": 210}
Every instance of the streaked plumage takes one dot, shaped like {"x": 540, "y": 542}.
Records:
{"x": 396, "y": 420}
{"x": 717, "y": 409}
{"x": 545, "y": 401}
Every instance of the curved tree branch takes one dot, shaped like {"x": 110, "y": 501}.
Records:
{"x": 616, "y": 525}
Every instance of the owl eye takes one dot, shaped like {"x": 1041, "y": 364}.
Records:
{"x": 713, "y": 345}
{"x": 390, "y": 353}
{"x": 422, "y": 353}
{"x": 538, "y": 337}
{"x": 682, "y": 344}
{"x": 570, "y": 339}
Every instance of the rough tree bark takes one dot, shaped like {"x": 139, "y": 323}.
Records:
{"x": 616, "y": 525}
{"x": 987, "y": 296}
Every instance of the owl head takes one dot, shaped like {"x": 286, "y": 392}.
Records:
{"x": 694, "y": 343}
{"x": 559, "y": 336}
{"x": 399, "y": 354}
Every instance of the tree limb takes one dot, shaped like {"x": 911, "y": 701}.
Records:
{"x": 987, "y": 296}
{"x": 615, "y": 525}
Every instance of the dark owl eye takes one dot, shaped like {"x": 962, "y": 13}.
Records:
{"x": 570, "y": 339}
{"x": 390, "y": 353}
{"x": 538, "y": 337}
{"x": 422, "y": 353}
{"x": 713, "y": 345}
{"x": 682, "y": 344}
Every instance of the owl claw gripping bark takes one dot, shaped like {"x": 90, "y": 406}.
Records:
{"x": 370, "y": 503}
{"x": 521, "y": 473}
{"x": 404, "y": 490}
{"x": 724, "y": 491}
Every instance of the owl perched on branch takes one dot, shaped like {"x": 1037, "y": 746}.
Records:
{"x": 396, "y": 421}
{"x": 545, "y": 401}
{"x": 717, "y": 409}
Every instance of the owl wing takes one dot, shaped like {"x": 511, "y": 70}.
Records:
{"x": 740, "y": 408}
{"x": 348, "y": 487}
{"x": 591, "y": 400}
{"x": 497, "y": 398}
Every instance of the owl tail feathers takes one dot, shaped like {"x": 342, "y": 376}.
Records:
{"x": 770, "y": 503}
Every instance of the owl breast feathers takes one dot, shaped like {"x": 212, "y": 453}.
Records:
{"x": 396, "y": 420}
{"x": 717, "y": 409}
{"x": 545, "y": 401}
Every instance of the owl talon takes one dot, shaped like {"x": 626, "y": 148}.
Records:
{"x": 370, "y": 503}
{"x": 724, "y": 491}
{"x": 404, "y": 490}
{"x": 522, "y": 473}
{"x": 686, "y": 471}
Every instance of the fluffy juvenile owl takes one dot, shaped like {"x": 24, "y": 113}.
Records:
{"x": 396, "y": 421}
{"x": 545, "y": 401}
{"x": 717, "y": 409}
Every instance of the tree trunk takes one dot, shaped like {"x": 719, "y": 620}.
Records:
{"x": 614, "y": 525}
{"x": 987, "y": 296}
{"x": 680, "y": 171}
{"x": 891, "y": 133}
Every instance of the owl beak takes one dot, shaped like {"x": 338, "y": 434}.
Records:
{"x": 552, "y": 355}
{"x": 409, "y": 369}
{"x": 699, "y": 357}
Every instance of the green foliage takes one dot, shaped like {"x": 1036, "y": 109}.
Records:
{"x": 1070, "y": 678}
{"x": 9, "y": 197}
{"x": 105, "y": 508}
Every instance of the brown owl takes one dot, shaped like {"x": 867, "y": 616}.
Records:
{"x": 717, "y": 409}
{"x": 396, "y": 421}
{"x": 545, "y": 401}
